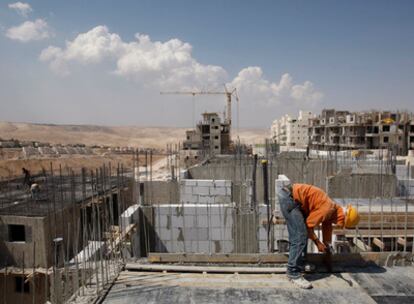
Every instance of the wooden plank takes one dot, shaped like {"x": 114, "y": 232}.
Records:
{"x": 377, "y": 242}
{"x": 202, "y": 269}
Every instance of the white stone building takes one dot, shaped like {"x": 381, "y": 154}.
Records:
{"x": 292, "y": 132}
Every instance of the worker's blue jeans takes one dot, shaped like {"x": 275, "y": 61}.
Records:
{"x": 298, "y": 235}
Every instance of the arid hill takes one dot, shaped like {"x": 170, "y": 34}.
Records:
{"x": 134, "y": 136}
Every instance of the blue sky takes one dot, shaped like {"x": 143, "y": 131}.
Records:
{"x": 281, "y": 55}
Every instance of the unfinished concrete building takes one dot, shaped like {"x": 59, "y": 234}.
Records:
{"x": 210, "y": 137}
{"x": 73, "y": 219}
{"x": 216, "y": 231}
{"x": 343, "y": 130}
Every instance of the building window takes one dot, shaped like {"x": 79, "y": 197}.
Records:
{"x": 20, "y": 285}
{"x": 188, "y": 137}
{"x": 216, "y": 147}
{"x": 216, "y": 137}
{"x": 212, "y": 120}
{"x": 385, "y": 139}
{"x": 385, "y": 128}
{"x": 17, "y": 233}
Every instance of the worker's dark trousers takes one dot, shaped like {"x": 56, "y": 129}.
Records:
{"x": 298, "y": 236}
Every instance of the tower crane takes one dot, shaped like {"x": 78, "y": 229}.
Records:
{"x": 226, "y": 92}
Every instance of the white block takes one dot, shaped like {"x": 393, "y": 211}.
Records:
{"x": 202, "y": 221}
{"x": 201, "y": 190}
{"x": 189, "y": 221}
{"x": 204, "y": 246}
{"x": 216, "y": 221}
{"x": 205, "y": 183}
{"x": 205, "y": 199}
{"x": 217, "y": 234}
{"x": 227, "y": 246}
{"x": 218, "y": 191}
{"x": 189, "y": 182}
{"x": 177, "y": 221}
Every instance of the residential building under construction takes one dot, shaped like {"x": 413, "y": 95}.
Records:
{"x": 334, "y": 130}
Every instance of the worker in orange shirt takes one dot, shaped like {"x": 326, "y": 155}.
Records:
{"x": 305, "y": 207}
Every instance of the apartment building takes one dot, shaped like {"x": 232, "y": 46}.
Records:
{"x": 292, "y": 132}
{"x": 343, "y": 130}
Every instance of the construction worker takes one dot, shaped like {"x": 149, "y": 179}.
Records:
{"x": 305, "y": 207}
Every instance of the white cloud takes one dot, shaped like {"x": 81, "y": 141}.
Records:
{"x": 170, "y": 65}
{"x": 29, "y": 30}
{"x": 22, "y": 9}
{"x": 254, "y": 87}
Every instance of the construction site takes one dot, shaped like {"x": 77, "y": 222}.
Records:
{"x": 203, "y": 224}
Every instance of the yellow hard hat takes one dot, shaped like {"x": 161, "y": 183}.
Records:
{"x": 351, "y": 216}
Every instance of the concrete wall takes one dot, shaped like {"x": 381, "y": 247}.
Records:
{"x": 362, "y": 186}
{"x": 19, "y": 253}
{"x": 36, "y": 294}
{"x": 196, "y": 191}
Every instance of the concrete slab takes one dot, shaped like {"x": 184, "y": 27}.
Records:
{"x": 156, "y": 287}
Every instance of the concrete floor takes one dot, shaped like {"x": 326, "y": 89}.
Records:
{"x": 368, "y": 285}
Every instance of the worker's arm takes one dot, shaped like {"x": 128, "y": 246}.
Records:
{"x": 327, "y": 232}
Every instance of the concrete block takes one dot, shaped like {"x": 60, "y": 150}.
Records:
{"x": 163, "y": 220}
{"x": 218, "y": 210}
{"x": 202, "y": 221}
{"x": 205, "y": 183}
{"x": 164, "y": 210}
{"x": 189, "y": 221}
{"x": 186, "y": 189}
{"x": 190, "y": 210}
{"x": 216, "y": 221}
{"x": 204, "y": 246}
{"x": 202, "y": 234}
{"x": 206, "y": 199}
{"x": 228, "y": 191}
{"x": 178, "y": 247}
{"x": 227, "y": 246}
{"x": 222, "y": 199}
{"x": 263, "y": 247}
{"x": 201, "y": 190}
{"x": 167, "y": 245}
{"x": 218, "y": 191}
{"x": 194, "y": 246}
{"x": 262, "y": 234}
{"x": 177, "y": 221}
{"x": 227, "y": 234}
{"x": 164, "y": 234}
{"x": 189, "y": 182}
{"x": 217, "y": 234}
{"x": 175, "y": 233}
{"x": 222, "y": 183}
{"x": 188, "y": 198}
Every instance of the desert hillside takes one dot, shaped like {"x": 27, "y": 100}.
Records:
{"x": 134, "y": 136}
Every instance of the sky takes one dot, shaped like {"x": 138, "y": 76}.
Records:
{"x": 105, "y": 62}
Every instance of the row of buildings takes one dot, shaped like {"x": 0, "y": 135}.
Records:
{"x": 334, "y": 130}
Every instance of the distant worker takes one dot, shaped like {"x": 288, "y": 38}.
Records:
{"x": 34, "y": 191}
{"x": 27, "y": 177}
{"x": 305, "y": 207}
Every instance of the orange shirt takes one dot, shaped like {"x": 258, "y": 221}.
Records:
{"x": 317, "y": 208}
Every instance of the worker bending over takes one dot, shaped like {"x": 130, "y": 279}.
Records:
{"x": 305, "y": 207}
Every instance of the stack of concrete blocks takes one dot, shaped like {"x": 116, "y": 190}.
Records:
{"x": 197, "y": 191}
{"x": 196, "y": 228}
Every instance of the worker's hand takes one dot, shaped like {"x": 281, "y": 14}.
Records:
{"x": 321, "y": 246}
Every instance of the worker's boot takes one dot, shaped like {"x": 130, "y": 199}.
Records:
{"x": 301, "y": 282}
